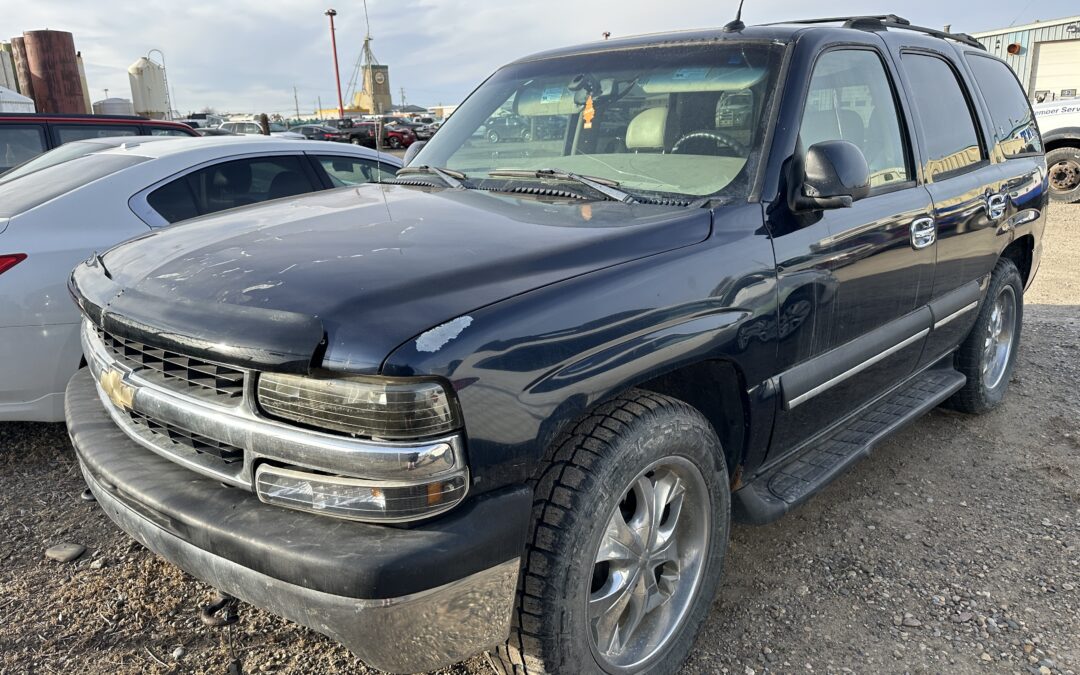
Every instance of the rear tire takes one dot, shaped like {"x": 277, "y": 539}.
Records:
{"x": 1063, "y": 167}
{"x": 603, "y": 567}
{"x": 988, "y": 354}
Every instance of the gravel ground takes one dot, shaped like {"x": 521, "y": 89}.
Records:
{"x": 954, "y": 548}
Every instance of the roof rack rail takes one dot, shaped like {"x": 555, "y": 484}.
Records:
{"x": 879, "y": 21}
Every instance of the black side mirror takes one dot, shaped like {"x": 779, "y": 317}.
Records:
{"x": 835, "y": 175}
{"x": 412, "y": 151}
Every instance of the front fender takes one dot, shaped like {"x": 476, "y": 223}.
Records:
{"x": 525, "y": 367}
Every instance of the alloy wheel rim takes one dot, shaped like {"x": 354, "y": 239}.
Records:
{"x": 648, "y": 565}
{"x": 998, "y": 341}
{"x": 1065, "y": 175}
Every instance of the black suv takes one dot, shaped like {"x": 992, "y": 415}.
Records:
{"x": 513, "y": 398}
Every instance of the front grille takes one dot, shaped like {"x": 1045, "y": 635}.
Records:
{"x": 170, "y": 433}
{"x": 184, "y": 374}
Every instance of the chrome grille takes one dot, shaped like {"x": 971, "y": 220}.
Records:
{"x": 184, "y": 374}
{"x": 171, "y": 433}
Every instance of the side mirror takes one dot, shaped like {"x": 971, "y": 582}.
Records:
{"x": 412, "y": 151}
{"x": 835, "y": 175}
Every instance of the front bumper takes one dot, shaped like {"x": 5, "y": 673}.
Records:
{"x": 402, "y": 600}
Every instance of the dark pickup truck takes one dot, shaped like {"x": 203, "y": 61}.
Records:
{"x": 512, "y": 399}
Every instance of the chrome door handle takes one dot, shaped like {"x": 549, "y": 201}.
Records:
{"x": 995, "y": 206}
{"x": 923, "y": 233}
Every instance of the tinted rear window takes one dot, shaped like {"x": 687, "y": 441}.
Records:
{"x": 19, "y": 143}
{"x": 1014, "y": 123}
{"x": 34, "y": 190}
{"x": 949, "y": 131}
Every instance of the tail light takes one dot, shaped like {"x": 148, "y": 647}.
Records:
{"x": 9, "y": 260}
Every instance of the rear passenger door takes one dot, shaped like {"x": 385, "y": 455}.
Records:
{"x": 969, "y": 191}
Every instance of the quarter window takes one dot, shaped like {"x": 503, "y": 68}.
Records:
{"x": 850, "y": 99}
{"x": 1014, "y": 123}
{"x": 351, "y": 171}
{"x": 949, "y": 131}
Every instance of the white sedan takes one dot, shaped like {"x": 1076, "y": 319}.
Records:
{"x": 59, "y": 209}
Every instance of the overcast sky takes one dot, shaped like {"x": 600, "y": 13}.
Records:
{"x": 246, "y": 55}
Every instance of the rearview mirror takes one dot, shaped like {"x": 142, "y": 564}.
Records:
{"x": 412, "y": 151}
{"x": 835, "y": 175}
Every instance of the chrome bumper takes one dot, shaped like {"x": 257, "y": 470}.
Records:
{"x": 418, "y": 632}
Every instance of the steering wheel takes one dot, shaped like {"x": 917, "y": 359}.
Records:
{"x": 720, "y": 137}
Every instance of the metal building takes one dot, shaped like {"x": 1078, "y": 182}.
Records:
{"x": 1045, "y": 56}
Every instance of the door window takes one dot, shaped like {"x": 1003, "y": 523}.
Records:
{"x": 65, "y": 133}
{"x": 19, "y": 144}
{"x": 162, "y": 131}
{"x": 851, "y": 99}
{"x": 948, "y": 129}
{"x": 1014, "y": 123}
{"x": 229, "y": 185}
{"x": 354, "y": 171}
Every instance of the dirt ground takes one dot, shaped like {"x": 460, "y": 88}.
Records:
{"x": 954, "y": 548}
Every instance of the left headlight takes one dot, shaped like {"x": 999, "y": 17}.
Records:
{"x": 361, "y": 406}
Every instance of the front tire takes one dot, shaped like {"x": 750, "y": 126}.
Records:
{"x": 1063, "y": 168}
{"x": 988, "y": 354}
{"x": 630, "y": 525}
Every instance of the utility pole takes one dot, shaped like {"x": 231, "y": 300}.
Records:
{"x": 296, "y": 100}
{"x": 337, "y": 74}
{"x": 319, "y": 99}
{"x": 403, "y": 99}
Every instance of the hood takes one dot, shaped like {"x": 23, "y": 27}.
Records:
{"x": 380, "y": 264}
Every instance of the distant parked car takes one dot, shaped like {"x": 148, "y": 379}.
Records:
{"x": 100, "y": 193}
{"x": 357, "y": 133}
{"x": 26, "y": 135}
{"x": 507, "y": 128}
{"x": 316, "y": 132}
{"x": 253, "y": 129}
{"x": 399, "y": 135}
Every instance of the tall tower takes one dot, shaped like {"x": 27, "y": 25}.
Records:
{"x": 374, "y": 95}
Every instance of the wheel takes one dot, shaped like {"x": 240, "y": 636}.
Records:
{"x": 493, "y": 136}
{"x": 355, "y": 141}
{"x": 526, "y": 136}
{"x": 1063, "y": 166}
{"x": 395, "y": 142}
{"x": 988, "y": 354}
{"x": 630, "y": 526}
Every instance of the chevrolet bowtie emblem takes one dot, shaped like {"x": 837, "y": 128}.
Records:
{"x": 119, "y": 392}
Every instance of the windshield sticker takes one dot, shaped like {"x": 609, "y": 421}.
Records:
{"x": 589, "y": 113}
{"x": 551, "y": 95}
{"x": 690, "y": 74}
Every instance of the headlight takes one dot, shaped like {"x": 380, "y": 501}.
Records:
{"x": 354, "y": 498}
{"x": 361, "y": 406}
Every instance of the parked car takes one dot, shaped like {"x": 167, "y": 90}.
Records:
{"x": 507, "y": 128}
{"x": 357, "y": 133}
{"x": 399, "y": 135}
{"x": 317, "y": 132}
{"x": 86, "y": 196}
{"x": 26, "y": 135}
{"x": 253, "y": 129}
{"x": 1059, "y": 122}
{"x": 514, "y": 401}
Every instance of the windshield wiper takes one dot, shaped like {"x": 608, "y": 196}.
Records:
{"x": 606, "y": 187}
{"x": 449, "y": 176}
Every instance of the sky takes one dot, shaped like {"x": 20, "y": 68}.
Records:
{"x": 247, "y": 55}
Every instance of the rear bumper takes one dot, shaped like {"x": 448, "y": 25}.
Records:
{"x": 402, "y": 600}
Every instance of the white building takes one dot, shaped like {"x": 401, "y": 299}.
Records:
{"x": 1045, "y": 56}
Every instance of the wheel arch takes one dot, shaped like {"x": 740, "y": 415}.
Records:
{"x": 1067, "y": 137}
{"x": 1021, "y": 252}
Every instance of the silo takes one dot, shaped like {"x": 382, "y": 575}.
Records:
{"x": 54, "y": 71}
{"x": 7, "y": 68}
{"x": 82, "y": 81}
{"x": 22, "y": 66}
{"x": 113, "y": 106}
{"x": 148, "y": 89}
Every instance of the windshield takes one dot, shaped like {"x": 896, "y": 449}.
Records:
{"x": 49, "y": 183}
{"x": 62, "y": 154}
{"x": 687, "y": 120}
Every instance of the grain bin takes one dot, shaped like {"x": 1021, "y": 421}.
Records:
{"x": 54, "y": 72}
{"x": 82, "y": 82}
{"x": 22, "y": 66}
{"x": 7, "y": 68}
{"x": 148, "y": 91}
{"x": 113, "y": 106}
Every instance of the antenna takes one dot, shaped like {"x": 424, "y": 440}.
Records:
{"x": 736, "y": 25}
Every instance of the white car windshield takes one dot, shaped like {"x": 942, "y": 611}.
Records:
{"x": 686, "y": 120}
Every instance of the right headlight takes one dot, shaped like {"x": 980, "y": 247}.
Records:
{"x": 370, "y": 407}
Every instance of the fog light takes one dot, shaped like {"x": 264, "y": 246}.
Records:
{"x": 354, "y": 498}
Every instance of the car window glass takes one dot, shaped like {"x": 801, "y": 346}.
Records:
{"x": 78, "y": 132}
{"x": 62, "y": 154}
{"x": 246, "y": 181}
{"x": 174, "y": 201}
{"x": 354, "y": 171}
{"x": 850, "y": 99}
{"x": 158, "y": 131}
{"x": 1014, "y": 123}
{"x": 948, "y": 128}
{"x": 19, "y": 144}
{"x": 39, "y": 187}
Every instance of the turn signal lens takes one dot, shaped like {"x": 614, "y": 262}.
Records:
{"x": 361, "y": 406}
{"x": 356, "y": 499}
{"x": 9, "y": 260}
